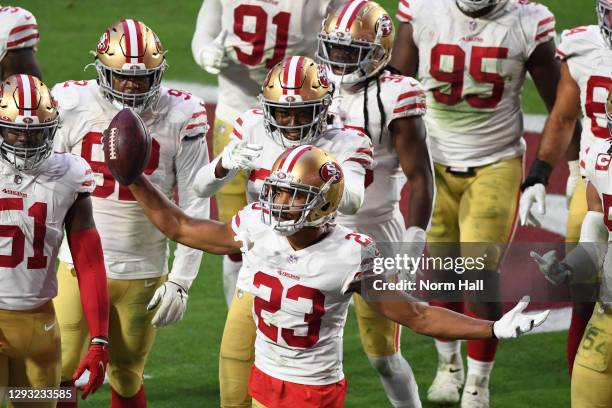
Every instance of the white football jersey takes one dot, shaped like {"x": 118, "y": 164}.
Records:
{"x": 589, "y": 60}
{"x": 33, "y": 206}
{"x": 401, "y": 97}
{"x": 597, "y": 166}
{"x": 133, "y": 247}
{"x": 473, "y": 72}
{"x": 300, "y": 297}
{"x": 18, "y": 29}
{"x": 345, "y": 145}
{"x": 261, "y": 34}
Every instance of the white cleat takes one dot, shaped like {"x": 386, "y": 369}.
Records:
{"x": 475, "y": 393}
{"x": 446, "y": 387}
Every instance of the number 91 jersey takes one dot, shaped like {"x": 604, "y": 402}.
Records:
{"x": 259, "y": 35}
{"x": 473, "y": 72}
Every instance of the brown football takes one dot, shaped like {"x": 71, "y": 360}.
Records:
{"x": 127, "y": 146}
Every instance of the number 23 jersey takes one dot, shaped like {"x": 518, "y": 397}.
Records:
{"x": 301, "y": 297}
{"x": 473, "y": 72}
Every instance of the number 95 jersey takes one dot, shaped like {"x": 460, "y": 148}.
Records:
{"x": 473, "y": 72}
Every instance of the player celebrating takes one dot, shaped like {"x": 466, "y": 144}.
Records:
{"x": 18, "y": 40}
{"x": 586, "y": 54}
{"x": 302, "y": 272}
{"x": 42, "y": 192}
{"x": 130, "y": 63}
{"x": 295, "y": 98}
{"x": 240, "y": 41}
{"x": 355, "y": 44}
{"x": 472, "y": 56}
{"x": 591, "y": 374}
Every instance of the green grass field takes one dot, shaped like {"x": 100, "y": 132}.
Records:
{"x": 530, "y": 372}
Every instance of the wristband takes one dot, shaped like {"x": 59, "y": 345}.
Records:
{"x": 102, "y": 341}
{"x": 538, "y": 174}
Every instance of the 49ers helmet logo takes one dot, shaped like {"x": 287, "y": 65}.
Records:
{"x": 330, "y": 171}
{"x": 322, "y": 73}
{"x": 385, "y": 25}
{"x": 103, "y": 43}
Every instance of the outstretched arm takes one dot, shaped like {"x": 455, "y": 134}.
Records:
{"x": 442, "y": 323}
{"x": 207, "y": 235}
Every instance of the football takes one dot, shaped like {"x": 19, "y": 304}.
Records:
{"x": 127, "y": 146}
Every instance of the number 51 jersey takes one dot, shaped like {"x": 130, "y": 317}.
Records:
{"x": 133, "y": 247}
{"x": 473, "y": 72}
{"x": 33, "y": 206}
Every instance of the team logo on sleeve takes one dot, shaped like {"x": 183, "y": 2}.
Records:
{"x": 104, "y": 42}
{"x": 330, "y": 171}
{"x": 384, "y": 25}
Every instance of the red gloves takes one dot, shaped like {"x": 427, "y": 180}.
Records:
{"x": 95, "y": 361}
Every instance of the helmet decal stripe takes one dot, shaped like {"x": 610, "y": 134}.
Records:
{"x": 20, "y": 93}
{"x": 139, "y": 41}
{"x": 292, "y": 158}
{"x": 32, "y": 102}
{"x": 128, "y": 42}
{"x": 349, "y": 14}
{"x": 293, "y": 71}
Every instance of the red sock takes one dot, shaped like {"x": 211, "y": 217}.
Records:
{"x": 581, "y": 313}
{"x": 137, "y": 401}
{"x": 481, "y": 350}
{"x": 68, "y": 404}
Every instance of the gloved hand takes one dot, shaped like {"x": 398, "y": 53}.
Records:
{"x": 95, "y": 361}
{"x": 414, "y": 238}
{"x": 241, "y": 156}
{"x": 515, "y": 322}
{"x": 173, "y": 298}
{"x": 212, "y": 55}
{"x": 572, "y": 180}
{"x": 537, "y": 194}
{"x": 554, "y": 271}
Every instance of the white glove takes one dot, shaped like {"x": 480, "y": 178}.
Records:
{"x": 537, "y": 194}
{"x": 515, "y": 322}
{"x": 554, "y": 271}
{"x": 572, "y": 180}
{"x": 241, "y": 156}
{"x": 212, "y": 55}
{"x": 173, "y": 300}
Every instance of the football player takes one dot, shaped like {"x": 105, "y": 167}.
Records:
{"x": 295, "y": 98}
{"x": 18, "y": 41}
{"x": 355, "y": 45}
{"x": 41, "y": 193}
{"x": 585, "y": 54}
{"x": 302, "y": 270}
{"x": 472, "y": 57}
{"x": 592, "y": 371}
{"x": 130, "y": 64}
{"x": 240, "y": 41}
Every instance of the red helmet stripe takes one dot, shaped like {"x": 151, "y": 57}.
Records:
{"x": 139, "y": 40}
{"x": 128, "y": 41}
{"x": 292, "y": 74}
{"x": 349, "y": 14}
{"x": 292, "y": 158}
{"x": 32, "y": 86}
{"x": 20, "y": 93}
